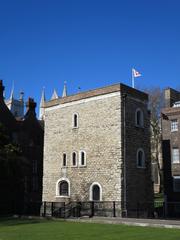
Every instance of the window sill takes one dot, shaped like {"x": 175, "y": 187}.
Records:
{"x": 139, "y": 126}
{"x": 74, "y": 166}
{"x": 95, "y": 200}
{"x": 174, "y": 130}
{"x": 82, "y": 166}
{"x": 141, "y": 167}
{"x": 57, "y": 196}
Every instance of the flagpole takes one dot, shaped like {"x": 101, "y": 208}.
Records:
{"x": 132, "y": 79}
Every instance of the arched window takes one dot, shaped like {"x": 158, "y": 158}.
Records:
{"x": 82, "y": 158}
{"x": 139, "y": 118}
{"x": 64, "y": 160}
{"x": 95, "y": 192}
{"x": 75, "y": 120}
{"x": 140, "y": 158}
{"x": 74, "y": 159}
{"x": 63, "y": 188}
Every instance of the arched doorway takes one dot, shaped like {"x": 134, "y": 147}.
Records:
{"x": 96, "y": 193}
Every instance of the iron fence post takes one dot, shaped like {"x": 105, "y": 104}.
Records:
{"x": 44, "y": 209}
{"x": 137, "y": 209}
{"x": 114, "y": 209}
{"x": 64, "y": 210}
{"x": 92, "y": 209}
{"x": 52, "y": 209}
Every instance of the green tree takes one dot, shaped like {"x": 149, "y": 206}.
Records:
{"x": 156, "y": 103}
{"x": 12, "y": 170}
{"x": 10, "y": 153}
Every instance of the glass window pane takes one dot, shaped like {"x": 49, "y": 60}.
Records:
{"x": 82, "y": 158}
{"x": 75, "y": 123}
{"x": 175, "y": 155}
{"x": 74, "y": 159}
{"x": 63, "y": 188}
{"x": 174, "y": 125}
{"x": 64, "y": 159}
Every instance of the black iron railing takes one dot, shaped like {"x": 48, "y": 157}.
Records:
{"x": 74, "y": 209}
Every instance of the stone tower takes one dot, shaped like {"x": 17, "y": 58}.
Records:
{"x": 16, "y": 106}
{"x": 97, "y": 148}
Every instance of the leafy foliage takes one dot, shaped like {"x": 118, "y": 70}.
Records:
{"x": 10, "y": 155}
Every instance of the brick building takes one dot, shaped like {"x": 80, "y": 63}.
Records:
{"x": 97, "y": 147}
{"x": 26, "y": 131}
{"x": 171, "y": 145}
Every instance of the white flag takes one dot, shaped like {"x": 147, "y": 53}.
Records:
{"x": 136, "y": 73}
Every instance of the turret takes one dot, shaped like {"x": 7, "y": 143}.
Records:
{"x": 42, "y": 105}
{"x": 55, "y": 95}
{"x": 64, "y": 90}
{"x": 12, "y": 93}
{"x": 16, "y": 106}
{"x": 21, "y": 96}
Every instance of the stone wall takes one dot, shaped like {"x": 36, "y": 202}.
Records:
{"x": 98, "y": 135}
{"x": 107, "y": 142}
{"x": 138, "y": 180}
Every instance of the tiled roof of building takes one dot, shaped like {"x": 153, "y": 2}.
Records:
{"x": 171, "y": 111}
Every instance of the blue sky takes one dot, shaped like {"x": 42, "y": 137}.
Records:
{"x": 88, "y": 43}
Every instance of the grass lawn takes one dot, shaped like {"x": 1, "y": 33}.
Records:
{"x": 54, "y": 230}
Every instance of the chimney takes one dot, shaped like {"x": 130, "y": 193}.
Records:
{"x": 171, "y": 96}
{"x": 21, "y": 96}
{"x": 30, "y": 107}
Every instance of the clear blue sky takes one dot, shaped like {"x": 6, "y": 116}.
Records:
{"x": 88, "y": 43}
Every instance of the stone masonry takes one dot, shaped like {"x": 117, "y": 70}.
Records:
{"x": 107, "y": 133}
